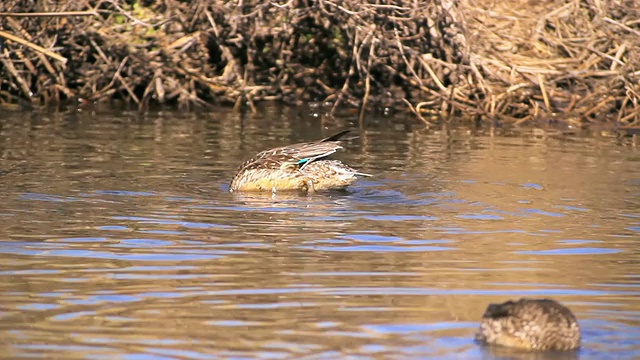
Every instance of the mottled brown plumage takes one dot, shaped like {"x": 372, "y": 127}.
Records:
{"x": 532, "y": 324}
{"x": 302, "y": 166}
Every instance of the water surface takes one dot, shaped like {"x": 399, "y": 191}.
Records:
{"x": 119, "y": 239}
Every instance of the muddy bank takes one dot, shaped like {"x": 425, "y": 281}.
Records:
{"x": 507, "y": 61}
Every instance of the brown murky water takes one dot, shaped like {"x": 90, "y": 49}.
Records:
{"x": 119, "y": 239}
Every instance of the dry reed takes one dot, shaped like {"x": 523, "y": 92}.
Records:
{"x": 508, "y": 61}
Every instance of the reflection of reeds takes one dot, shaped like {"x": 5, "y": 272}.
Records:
{"x": 514, "y": 61}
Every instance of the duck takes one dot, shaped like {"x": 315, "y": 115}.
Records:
{"x": 530, "y": 324}
{"x": 303, "y": 166}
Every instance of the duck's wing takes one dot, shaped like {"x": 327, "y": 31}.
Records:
{"x": 300, "y": 154}
{"x": 309, "y": 152}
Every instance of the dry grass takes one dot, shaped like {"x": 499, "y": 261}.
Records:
{"x": 508, "y": 61}
{"x": 576, "y": 59}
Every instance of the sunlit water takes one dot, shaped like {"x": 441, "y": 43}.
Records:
{"x": 119, "y": 239}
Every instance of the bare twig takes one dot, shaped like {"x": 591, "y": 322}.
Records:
{"x": 33, "y": 46}
{"x": 49, "y": 14}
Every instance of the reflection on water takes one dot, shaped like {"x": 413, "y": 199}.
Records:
{"x": 119, "y": 239}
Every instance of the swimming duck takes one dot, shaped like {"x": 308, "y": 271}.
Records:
{"x": 302, "y": 166}
{"x": 532, "y": 324}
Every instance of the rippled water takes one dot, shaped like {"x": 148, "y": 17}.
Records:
{"x": 119, "y": 239}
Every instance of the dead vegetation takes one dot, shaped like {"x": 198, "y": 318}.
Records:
{"x": 508, "y": 61}
{"x": 579, "y": 60}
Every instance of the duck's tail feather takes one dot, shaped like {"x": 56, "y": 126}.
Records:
{"x": 335, "y": 137}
